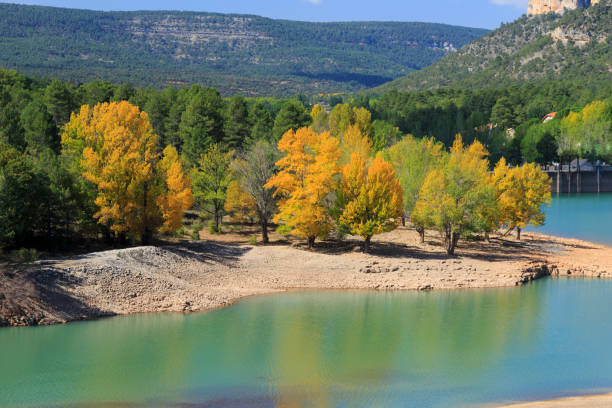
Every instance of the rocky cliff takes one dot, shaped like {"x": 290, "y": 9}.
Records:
{"x": 556, "y": 6}
{"x": 573, "y": 46}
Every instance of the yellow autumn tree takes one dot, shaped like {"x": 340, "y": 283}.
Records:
{"x": 452, "y": 198}
{"x": 343, "y": 115}
{"x": 523, "y": 192}
{"x": 373, "y": 195}
{"x": 568, "y": 140}
{"x": 240, "y": 204}
{"x": 305, "y": 180}
{"x": 177, "y": 196}
{"x": 491, "y": 214}
{"x": 115, "y": 149}
{"x": 353, "y": 141}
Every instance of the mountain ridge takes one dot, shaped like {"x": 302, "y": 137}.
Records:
{"x": 235, "y": 52}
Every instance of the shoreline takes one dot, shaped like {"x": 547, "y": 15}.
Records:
{"x": 205, "y": 275}
{"x": 581, "y": 401}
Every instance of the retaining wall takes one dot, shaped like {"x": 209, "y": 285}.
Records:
{"x": 589, "y": 181}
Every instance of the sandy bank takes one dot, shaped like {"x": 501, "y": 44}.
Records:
{"x": 604, "y": 400}
{"x": 193, "y": 276}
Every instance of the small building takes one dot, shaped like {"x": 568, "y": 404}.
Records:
{"x": 549, "y": 117}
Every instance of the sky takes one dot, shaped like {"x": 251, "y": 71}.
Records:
{"x": 471, "y": 13}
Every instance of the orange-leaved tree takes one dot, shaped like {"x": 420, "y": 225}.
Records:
{"x": 373, "y": 195}
{"x": 305, "y": 180}
{"x": 137, "y": 192}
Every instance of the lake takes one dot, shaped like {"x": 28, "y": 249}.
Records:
{"x": 583, "y": 216}
{"x": 327, "y": 349}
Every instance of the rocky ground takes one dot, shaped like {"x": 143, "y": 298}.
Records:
{"x": 196, "y": 275}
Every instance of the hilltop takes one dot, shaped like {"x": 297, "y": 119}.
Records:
{"x": 572, "y": 46}
{"x": 252, "y": 55}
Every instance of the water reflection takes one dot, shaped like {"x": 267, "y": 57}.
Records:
{"x": 323, "y": 349}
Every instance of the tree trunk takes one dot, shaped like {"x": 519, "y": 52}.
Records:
{"x": 451, "y": 242}
{"x": 559, "y": 176}
{"x": 518, "y": 234}
{"x": 218, "y": 215}
{"x": 108, "y": 237}
{"x": 311, "y": 241}
{"x": 146, "y": 236}
{"x": 421, "y": 231}
{"x": 487, "y": 237}
{"x": 367, "y": 243}
{"x": 403, "y": 220}
{"x": 48, "y": 222}
{"x": 264, "y": 232}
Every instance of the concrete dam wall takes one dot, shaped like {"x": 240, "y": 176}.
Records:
{"x": 590, "y": 180}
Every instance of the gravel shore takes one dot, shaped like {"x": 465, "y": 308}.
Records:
{"x": 604, "y": 400}
{"x": 197, "y": 275}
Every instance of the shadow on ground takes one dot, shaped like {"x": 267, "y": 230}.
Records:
{"x": 208, "y": 251}
{"x": 36, "y": 294}
{"x": 499, "y": 249}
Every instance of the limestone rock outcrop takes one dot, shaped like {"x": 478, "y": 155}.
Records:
{"x": 556, "y": 6}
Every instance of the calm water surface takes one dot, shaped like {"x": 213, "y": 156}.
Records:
{"x": 335, "y": 349}
{"x": 583, "y": 216}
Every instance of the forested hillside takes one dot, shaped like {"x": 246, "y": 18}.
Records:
{"x": 575, "y": 46}
{"x": 235, "y": 53}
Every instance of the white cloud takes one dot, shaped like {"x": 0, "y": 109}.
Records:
{"x": 315, "y": 2}
{"x": 516, "y": 3}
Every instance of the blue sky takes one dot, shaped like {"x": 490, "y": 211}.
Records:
{"x": 473, "y": 13}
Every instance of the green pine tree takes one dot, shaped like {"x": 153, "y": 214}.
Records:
{"x": 292, "y": 115}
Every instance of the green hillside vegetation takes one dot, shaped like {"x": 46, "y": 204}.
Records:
{"x": 235, "y": 53}
{"x": 486, "y": 114}
{"x": 575, "y": 46}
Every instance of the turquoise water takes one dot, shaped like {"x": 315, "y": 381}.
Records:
{"x": 583, "y": 216}
{"x": 327, "y": 349}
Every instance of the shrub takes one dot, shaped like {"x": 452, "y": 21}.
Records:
{"x": 197, "y": 226}
{"x": 253, "y": 240}
{"x": 26, "y": 255}
{"x": 213, "y": 228}
{"x": 195, "y": 235}
{"x": 179, "y": 233}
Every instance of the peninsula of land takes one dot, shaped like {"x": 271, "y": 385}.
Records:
{"x": 190, "y": 276}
